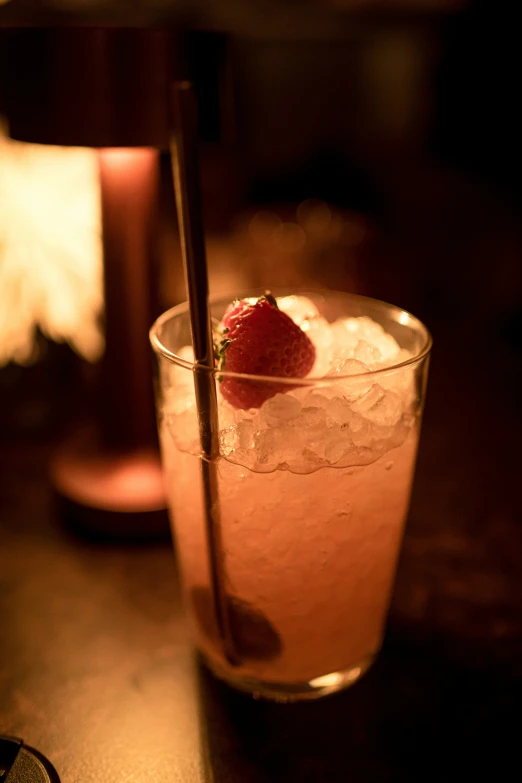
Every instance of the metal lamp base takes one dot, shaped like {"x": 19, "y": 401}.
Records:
{"x": 110, "y": 494}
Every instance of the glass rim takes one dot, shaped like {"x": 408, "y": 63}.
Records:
{"x": 403, "y": 317}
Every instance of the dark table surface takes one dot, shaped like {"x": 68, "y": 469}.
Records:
{"x": 95, "y": 668}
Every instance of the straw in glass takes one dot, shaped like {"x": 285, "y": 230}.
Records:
{"x": 188, "y": 202}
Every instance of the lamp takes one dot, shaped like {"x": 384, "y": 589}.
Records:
{"x": 107, "y": 88}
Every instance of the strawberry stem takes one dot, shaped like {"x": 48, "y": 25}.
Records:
{"x": 219, "y": 353}
{"x": 270, "y": 298}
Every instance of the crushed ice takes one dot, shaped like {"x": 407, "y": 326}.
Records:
{"x": 350, "y": 419}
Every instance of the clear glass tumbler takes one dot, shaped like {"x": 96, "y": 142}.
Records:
{"x": 311, "y": 495}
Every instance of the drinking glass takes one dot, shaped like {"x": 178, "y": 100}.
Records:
{"x": 288, "y": 600}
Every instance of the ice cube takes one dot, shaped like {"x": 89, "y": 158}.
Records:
{"x": 387, "y": 345}
{"x": 368, "y": 400}
{"x": 228, "y": 440}
{"x": 279, "y": 409}
{"x": 181, "y": 378}
{"x": 179, "y": 399}
{"x": 298, "y": 308}
{"x": 367, "y": 353}
{"x": 348, "y": 367}
{"x": 350, "y": 325}
{"x": 401, "y": 355}
{"x": 337, "y": 448}
{"x": 277, "y": 445}
{"x": 319, "y": 331}
{"x": 344, "y": 341}
{"x": 245, "y": 413}
{"x": 387, "y": 411}
{"x": 351, "y": 387}
{"x": 348, "y": 332}
{"x": 380, "y": 406}
{"x": 360, "y": 431}
{"x": 312, "y": 422}
{"x": 227, "y": 414}
{"x": 368, "y": 329}
{"x": 338, "y": 412}
{"x": 401, "y": 381}
{"x": 182, "y": 426}
{"x": 318, "y": 398}
{"x": 245, "y": 434}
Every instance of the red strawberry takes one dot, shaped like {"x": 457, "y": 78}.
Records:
{"x": 259, "y": 339}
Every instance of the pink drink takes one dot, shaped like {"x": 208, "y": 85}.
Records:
{"x": 313, "y": 493}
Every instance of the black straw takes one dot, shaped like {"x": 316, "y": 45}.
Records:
{"x": 188, "y": 202}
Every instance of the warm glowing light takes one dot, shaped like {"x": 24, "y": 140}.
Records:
{"x": 327, "y": 681}
{"x": 121, "y": 161}
{"x": 335, "y": 679}
{"x": 404, "y": 318}
{"x": 127, "y": 483}
{"x": 50, "y": 249}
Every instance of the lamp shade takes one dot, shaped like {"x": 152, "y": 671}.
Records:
{"x": 89, "y": 87}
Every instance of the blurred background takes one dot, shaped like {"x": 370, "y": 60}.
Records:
{"x": 365, "y": 146}
{"x": 371, "y": 147}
